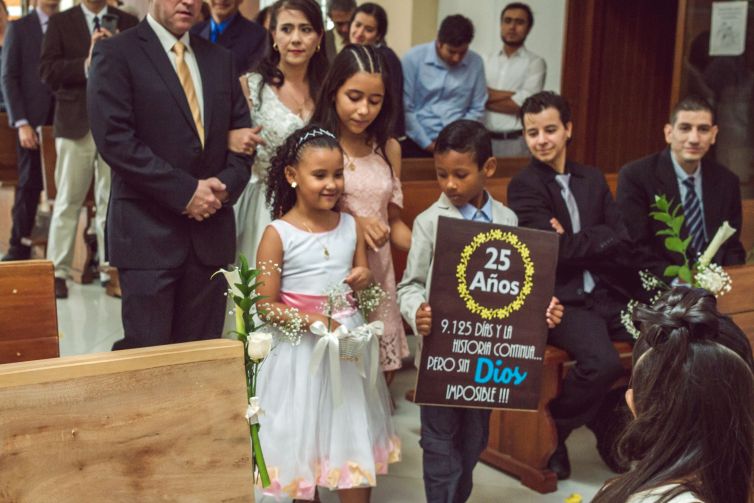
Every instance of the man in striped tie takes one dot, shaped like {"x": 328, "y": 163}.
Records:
{"x": 708, "y": 192}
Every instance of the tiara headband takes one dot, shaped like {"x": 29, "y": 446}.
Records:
{"x": 314, "y": 133}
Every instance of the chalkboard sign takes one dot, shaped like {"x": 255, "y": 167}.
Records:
{"x": 491, "y": 285}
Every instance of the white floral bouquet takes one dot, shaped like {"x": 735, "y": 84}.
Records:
{"x": 701, "y": 273}
{"x": 243, "y": 282}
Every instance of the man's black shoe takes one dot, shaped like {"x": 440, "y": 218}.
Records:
{"x": 559, "y": 462}
{"x": 61, "y": 290}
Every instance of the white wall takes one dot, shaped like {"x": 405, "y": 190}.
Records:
{"x": 547, "y": 37}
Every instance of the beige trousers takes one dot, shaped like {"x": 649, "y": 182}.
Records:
{"x": 78, "y": 161}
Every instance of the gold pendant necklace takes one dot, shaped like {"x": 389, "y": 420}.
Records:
{"x": 324, "y": 247}
{"x": 349, "y": 162}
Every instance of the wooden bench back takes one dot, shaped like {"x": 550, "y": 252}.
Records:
{"x": 28, "y": 313}
{"x": 739, "y": 302}
{"x": 154, "y": 424}
{"x": 8, "y": 156}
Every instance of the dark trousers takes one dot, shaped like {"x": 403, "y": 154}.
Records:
{"x": 452, "y": 439}
{"x": 171, "y": 305}
{"x": 409, "y": 148}
{"x": 586, "y": 333}
{"x": 26, "y": 199}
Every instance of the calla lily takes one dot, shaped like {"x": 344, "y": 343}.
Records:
{"x": 724, "y": 232}
{"x": 260, "y": 344}
{"x": 232, "y": 277}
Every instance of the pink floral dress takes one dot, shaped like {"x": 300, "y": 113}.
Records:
{"x": 370, "y": 186}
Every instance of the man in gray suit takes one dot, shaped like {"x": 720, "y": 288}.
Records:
{"x": 29, "y": 103}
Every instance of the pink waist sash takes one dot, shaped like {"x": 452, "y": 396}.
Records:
{"x": 311, "y": 303}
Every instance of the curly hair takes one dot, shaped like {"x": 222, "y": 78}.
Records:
{"x": 694, "y": 405}
{"x": 281, "y": 197}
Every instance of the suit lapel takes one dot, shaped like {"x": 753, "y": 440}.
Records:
{"x": 80, "y": 26}
{"x": 153, "y": 48}
{"x": 581, "y": 193}
{"x": 209, "y": 80}
{"x": 668, "y": 182}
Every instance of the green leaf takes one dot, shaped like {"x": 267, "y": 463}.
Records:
{"x": 244, "y": 262}
{"x": 661, "y": 217}
{"x": 686, "y": 243}
{"x": 684, "y": 274}
{"x": 245, "y": 304}
{"x": 665, "y": 232}
{"x": 676, "y": 224}
{"x": 671, "y": 271}
{"x": 661, "y": 202}
{"x": 675, "y": 244}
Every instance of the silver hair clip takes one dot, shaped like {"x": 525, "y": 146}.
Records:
{"x": 314, "y": 133}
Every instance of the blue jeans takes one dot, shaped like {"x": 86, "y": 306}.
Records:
{"x": 452, "y": 439}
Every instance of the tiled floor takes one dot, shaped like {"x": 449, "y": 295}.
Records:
{"x": 90, "y": 322}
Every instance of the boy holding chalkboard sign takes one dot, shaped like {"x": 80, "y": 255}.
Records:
{"x": 452, "y": 438}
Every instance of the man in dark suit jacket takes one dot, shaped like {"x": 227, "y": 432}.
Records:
{"x": 227, "y": 27}
{"x": 63, "y": 66}
{"x": 170, "y": 221}
{"x": 30, "y": 104}
{"x": 552, "y": 193}
{"x": 690, "y": 134}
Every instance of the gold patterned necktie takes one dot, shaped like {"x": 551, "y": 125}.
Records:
{"x": 184, "y": 75}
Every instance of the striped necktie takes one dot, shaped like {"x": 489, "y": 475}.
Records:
{"x": 184, "y": 75}
{"x": 692, "y": 209}
{"x": 573, "y": 212}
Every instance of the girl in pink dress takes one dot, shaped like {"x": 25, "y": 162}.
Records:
{"x": 356, "y": 104}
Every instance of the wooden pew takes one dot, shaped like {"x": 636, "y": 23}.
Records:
{"x": 521, "y": 443}
{"x": 28, "y": 313}
{"x": 8, "y": 157}
{"x": 8, "y": 179}
{"x": 153, "y": 424}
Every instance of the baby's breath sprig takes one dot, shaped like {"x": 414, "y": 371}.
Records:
{"x": 288, "y": 321}
{"x": 370, "y": 298}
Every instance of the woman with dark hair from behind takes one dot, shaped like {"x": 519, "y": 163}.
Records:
{"x": 281, "y": 94}
{"x": 369, "y": 27}
{"x": 692, "y": 398}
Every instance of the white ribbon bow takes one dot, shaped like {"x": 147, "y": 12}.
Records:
{"x": 373, "y": 331}
{"x": 254, "y": 410}
{"x": 330, "y": 342}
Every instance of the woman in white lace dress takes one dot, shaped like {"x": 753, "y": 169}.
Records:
{"x": 281, "y": 98}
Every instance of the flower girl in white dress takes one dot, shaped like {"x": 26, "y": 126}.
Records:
{"x": 309, "y": 437}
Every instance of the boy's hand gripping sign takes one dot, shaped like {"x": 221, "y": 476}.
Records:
{"x": 491, "y": 285}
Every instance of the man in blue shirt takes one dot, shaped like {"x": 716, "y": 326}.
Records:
{"x": 246, "y": 39}
{"x": 443, "y": 81}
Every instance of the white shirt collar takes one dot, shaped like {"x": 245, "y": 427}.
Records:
{"x": 680, "y": 173}
{"x": 166, "y": 38}
{"x": 89, "y": 15}
{"x": 43, "y": 18}
{"x": 520, "y": 52}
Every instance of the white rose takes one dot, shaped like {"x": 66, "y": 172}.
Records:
{"x": 260, "y": 344}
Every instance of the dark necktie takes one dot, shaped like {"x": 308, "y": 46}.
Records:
{"x": 692, "y": 210}
{"x": 96, "y": 23}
